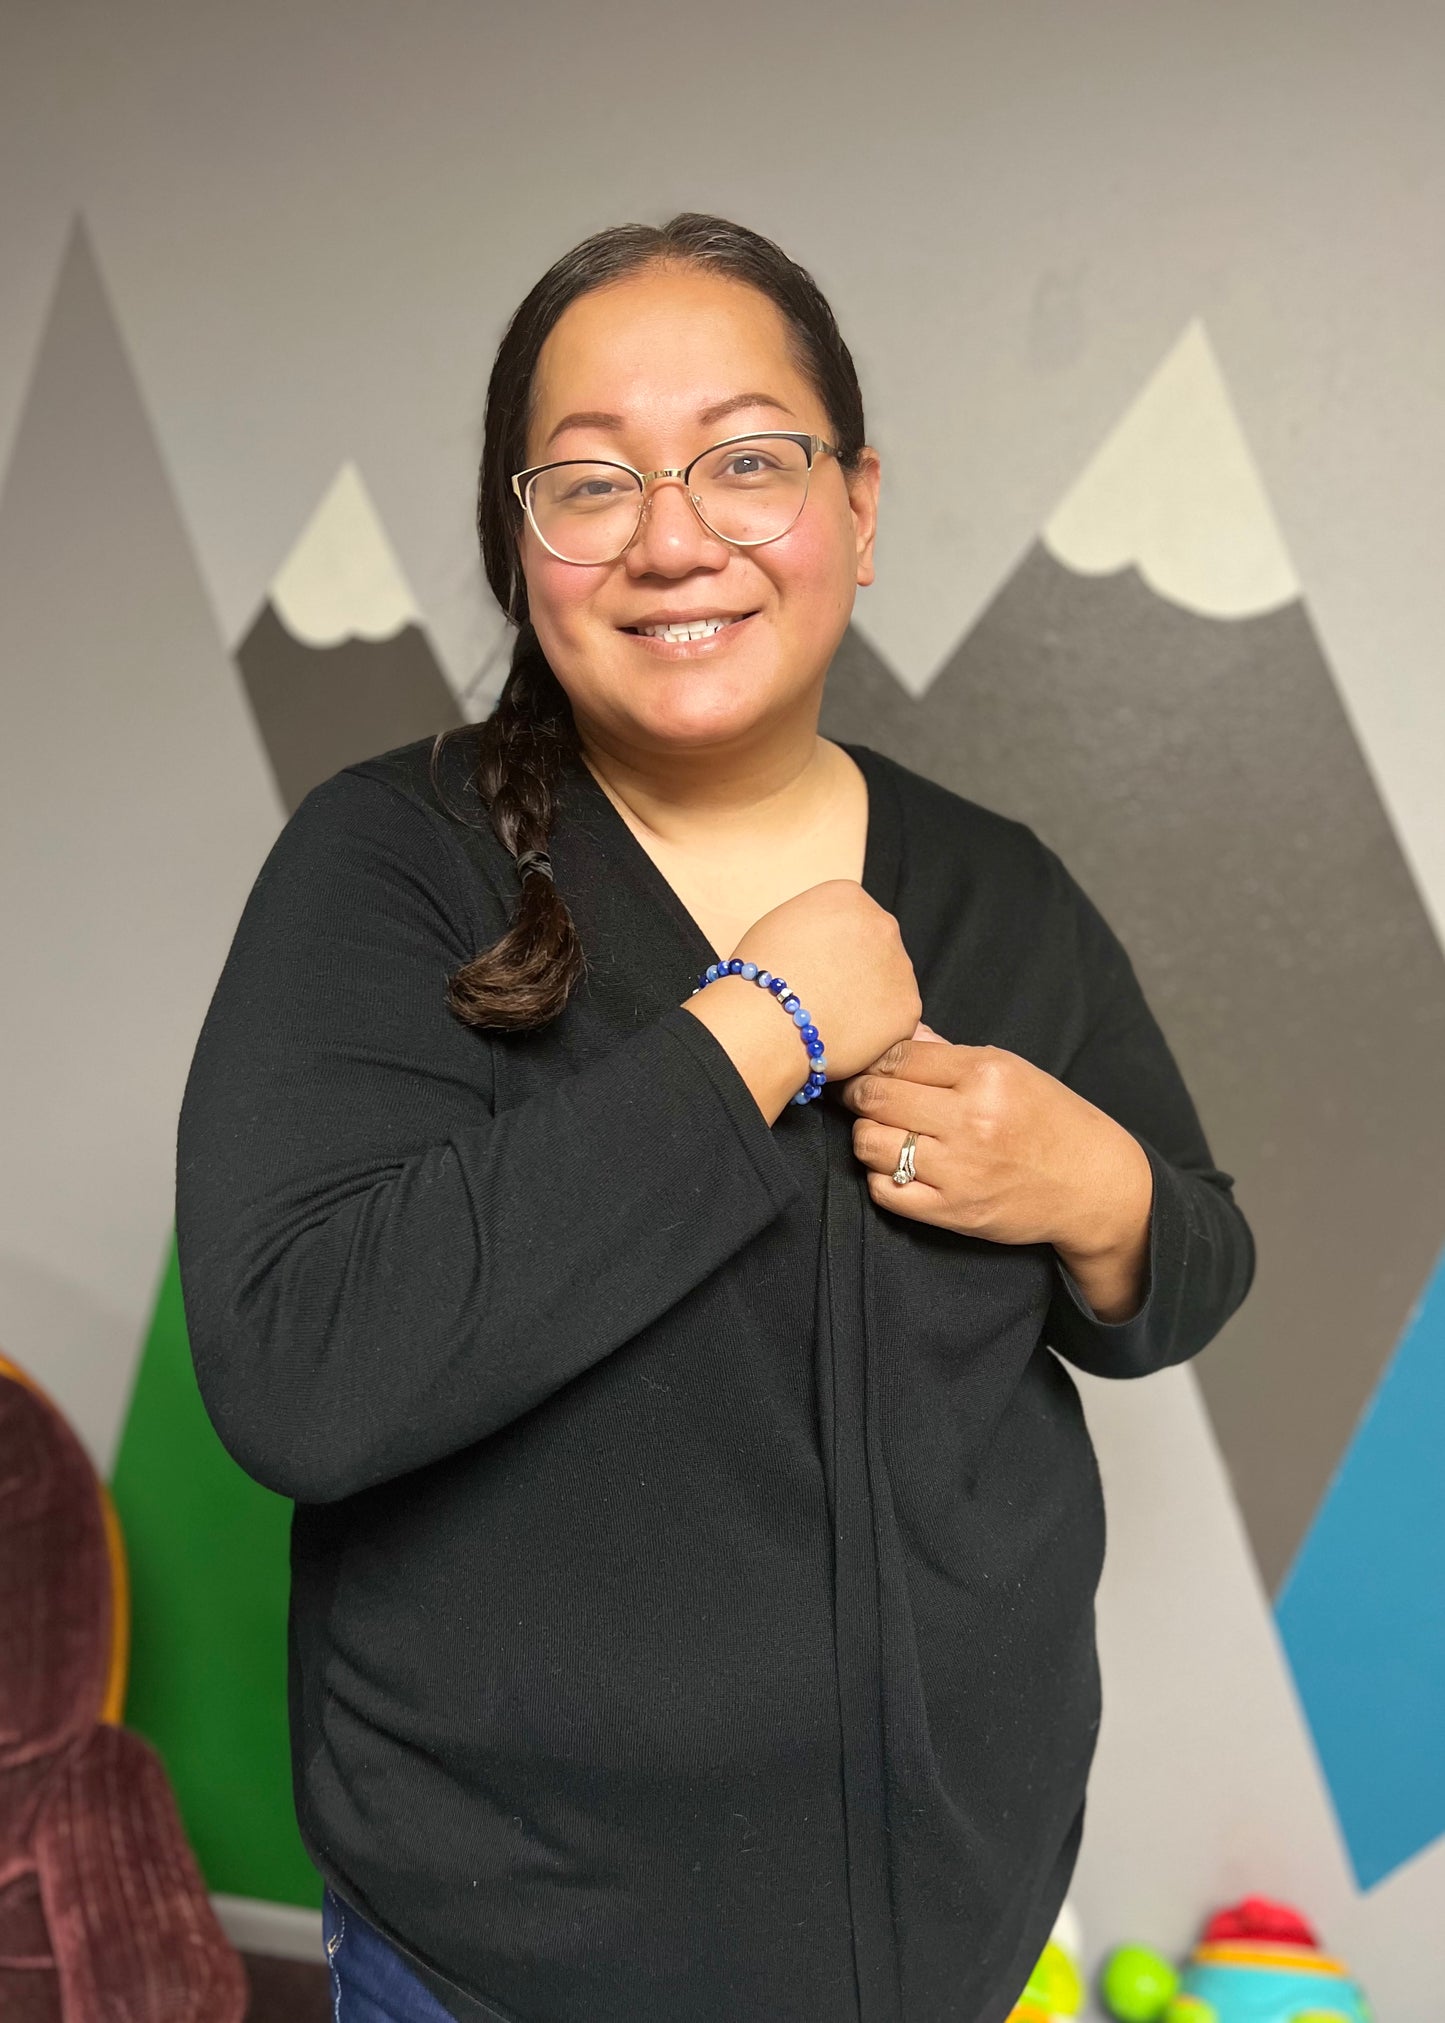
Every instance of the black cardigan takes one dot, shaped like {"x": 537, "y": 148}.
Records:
{"x": 693, "y": 1564}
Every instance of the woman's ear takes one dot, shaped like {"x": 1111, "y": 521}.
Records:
{"x": 863, "y": 500}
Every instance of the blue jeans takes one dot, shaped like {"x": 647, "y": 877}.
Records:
{"x": 370, "y": 1981}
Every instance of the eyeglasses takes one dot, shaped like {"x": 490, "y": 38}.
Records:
{"x": 747, "y": 490}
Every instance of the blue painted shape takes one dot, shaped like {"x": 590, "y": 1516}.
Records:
{"x": 1362, "y": 1612}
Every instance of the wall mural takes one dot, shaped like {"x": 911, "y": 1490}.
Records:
{"x": 336, "y": 663}
{"x": 1147, "y": 691}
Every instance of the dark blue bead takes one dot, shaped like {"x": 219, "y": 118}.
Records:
{"x": 816, "y": 1047}
{"x": 776, "y": 985}
{"x": 810, "y": 1033}
{"x": 791, "y": 1004}
{"x": 735, "y": 967}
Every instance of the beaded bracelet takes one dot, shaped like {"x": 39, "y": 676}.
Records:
{"x": 791, "y": 1005}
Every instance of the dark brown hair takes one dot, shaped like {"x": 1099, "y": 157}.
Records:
{"x": 524, "y": 979}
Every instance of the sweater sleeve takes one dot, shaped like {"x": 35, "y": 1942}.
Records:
{"x": 1201, "y": 1251}
{"x": 378, "y": 1270}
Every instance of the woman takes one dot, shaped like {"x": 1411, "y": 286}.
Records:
{"x": 696, "y": 1533}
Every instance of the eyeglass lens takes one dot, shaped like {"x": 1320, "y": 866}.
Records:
{"x": 745, "y": 491}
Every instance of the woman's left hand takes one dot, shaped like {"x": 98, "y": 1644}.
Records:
{"x": 1008, "y": 1152}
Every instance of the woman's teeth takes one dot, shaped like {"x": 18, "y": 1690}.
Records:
{"x": 699, "y": 629}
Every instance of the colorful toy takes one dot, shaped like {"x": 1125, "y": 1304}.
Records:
{"x": 1056, "y": 1988}
{"x": 1257, "y": 1962}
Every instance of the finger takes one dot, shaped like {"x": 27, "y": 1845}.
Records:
{"x": 879, "y": 1147}
{"x": 910, "y": 1106}
{"x": 917, "y": 1201}
{"x": 939, "y": 1062}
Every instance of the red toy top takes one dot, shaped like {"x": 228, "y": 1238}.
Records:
{"x": 1260, "y": 1918}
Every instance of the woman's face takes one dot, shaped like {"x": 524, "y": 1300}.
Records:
{"x": 649, "y": 371}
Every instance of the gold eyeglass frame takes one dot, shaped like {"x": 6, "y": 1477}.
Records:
{"x": 814, "y": 445}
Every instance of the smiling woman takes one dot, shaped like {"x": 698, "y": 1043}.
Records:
{"x": 657, "y": 1326}
{"x": 633, "y": 529}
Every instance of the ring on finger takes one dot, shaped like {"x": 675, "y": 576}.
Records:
{"x": 904, "y": 1171}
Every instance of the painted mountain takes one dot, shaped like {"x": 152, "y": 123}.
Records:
{"x": 136, "y": 807}
{"x": 134, "y": 810}
{"x": 336, "y": 663}
{"x": 1148, "y": 693}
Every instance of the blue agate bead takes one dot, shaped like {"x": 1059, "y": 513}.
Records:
{"x": 752, "y": 972}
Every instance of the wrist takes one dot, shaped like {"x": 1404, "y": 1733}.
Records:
{"x": 764, "y": 1046}
{"x": 1112, "y": 1226}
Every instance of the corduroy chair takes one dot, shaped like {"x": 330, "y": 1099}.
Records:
{"x": 104, "y": 1916}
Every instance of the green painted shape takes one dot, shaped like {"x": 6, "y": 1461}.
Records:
{"x": 210, "y": 1580}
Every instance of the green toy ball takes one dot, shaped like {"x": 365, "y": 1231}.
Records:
{"x": 1137, "y": 1985}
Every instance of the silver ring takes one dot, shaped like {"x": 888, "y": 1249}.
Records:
{"x": 905, "y": 1172}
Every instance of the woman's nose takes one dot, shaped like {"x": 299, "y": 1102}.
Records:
{"x": 671, "y": 539}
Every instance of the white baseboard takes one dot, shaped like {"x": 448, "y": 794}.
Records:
{"x": 283, "y": 1930}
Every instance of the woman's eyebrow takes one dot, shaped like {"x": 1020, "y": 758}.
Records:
{"x": 725, "y": 407}
{"x": 595, "y": 418}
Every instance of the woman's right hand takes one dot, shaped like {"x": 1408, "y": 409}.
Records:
{"x": 842, "y": 955}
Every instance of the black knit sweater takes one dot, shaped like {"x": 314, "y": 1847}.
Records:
{"x": 693, "y": 1564}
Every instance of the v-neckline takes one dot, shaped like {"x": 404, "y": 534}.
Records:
{"x": 881, "y": 854}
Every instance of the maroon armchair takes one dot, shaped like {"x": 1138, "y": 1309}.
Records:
{"x": 104, "y": 1916}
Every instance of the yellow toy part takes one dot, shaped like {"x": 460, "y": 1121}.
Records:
{"x": 1055, "y": 1990}
{"x": 1194, "y": 2009}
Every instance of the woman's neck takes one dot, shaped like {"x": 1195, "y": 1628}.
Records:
{"x": 705, "y": 804}
{"x": 740, "y": 854}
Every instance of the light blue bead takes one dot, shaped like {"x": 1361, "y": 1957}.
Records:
{"x": 765, "y": 977}
{"x": 749, "y": 970}
{"x": 711, "y": 971}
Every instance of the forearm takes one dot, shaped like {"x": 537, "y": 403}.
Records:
{"x": 1199, "y": 1256}
{"x": 354, "y": 1314}
{"x": 763, "y": 1047}
{"x": 1107, "y": 1247}
{"x": 1198, "y": 1267}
